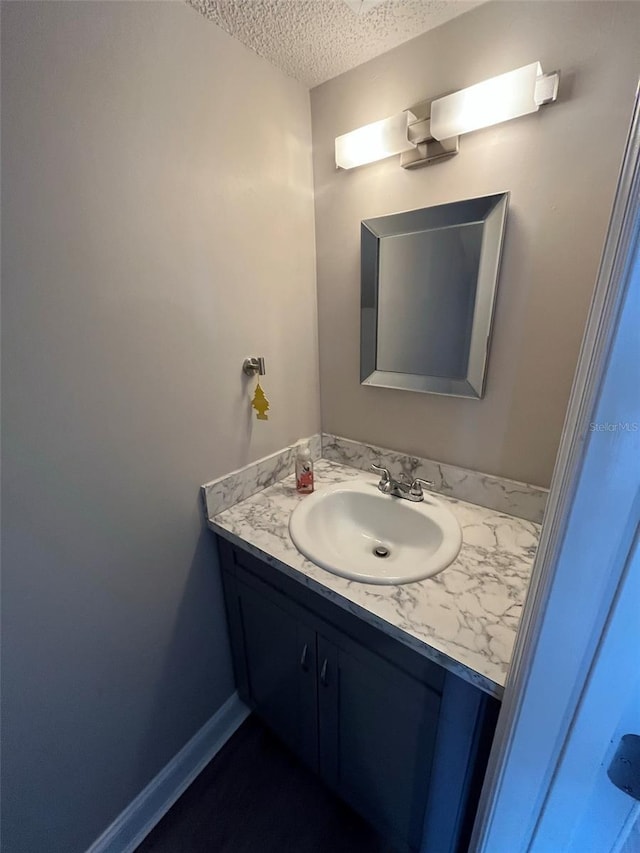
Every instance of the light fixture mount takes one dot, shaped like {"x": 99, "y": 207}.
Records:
{"x": 427, "y": 153}
{"x": 428, "y": 150}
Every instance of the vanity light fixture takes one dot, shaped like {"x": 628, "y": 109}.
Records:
{"x": 421, "y": 141}
{"x": 511, "y": 95}
{"x": 375, "y": 141}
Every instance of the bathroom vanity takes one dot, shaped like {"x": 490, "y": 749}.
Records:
{"x": 393, "y": 733}
{"x": 390, "y": 693}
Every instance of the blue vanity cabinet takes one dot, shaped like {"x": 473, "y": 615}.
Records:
{"x": 274, "y": 657}
{"x": 396, "y": 736}
{"x": 377, "y": 734}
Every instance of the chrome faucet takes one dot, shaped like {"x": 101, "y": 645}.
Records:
{"x": 410, "y": 490}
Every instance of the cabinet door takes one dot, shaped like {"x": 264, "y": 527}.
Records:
{"x": 280, "y": 663}
{"x": 377, "y": 729}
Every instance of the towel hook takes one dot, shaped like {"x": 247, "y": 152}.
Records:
{"x": 253, "y": 365}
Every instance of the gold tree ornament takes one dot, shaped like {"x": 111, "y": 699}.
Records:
{"x": 260, "y": 404}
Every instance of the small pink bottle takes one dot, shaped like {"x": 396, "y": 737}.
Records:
{"x": 304, "y": 471}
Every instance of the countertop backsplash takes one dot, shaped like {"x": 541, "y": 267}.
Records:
{"x": 230, "y": 489}
{"x": 518, "y": 499}
{"x": 508, "y": 496}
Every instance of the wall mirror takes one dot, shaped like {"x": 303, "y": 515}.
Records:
{"x": 429, "y": 280}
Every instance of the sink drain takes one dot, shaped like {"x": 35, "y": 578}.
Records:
{"x": 381, "y": 551}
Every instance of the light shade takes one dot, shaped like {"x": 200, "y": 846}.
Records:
{"x": 490, "y": 102}
{"x": 374, "y": 141}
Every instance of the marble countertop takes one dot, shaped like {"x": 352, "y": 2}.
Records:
{"x": 465, "y": 618}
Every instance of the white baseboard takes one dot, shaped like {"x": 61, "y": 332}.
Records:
{"x": 138, "y": 819}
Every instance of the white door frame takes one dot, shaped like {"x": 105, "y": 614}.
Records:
{"x": 572, "y": 586}
{"x": 584, "y": 811}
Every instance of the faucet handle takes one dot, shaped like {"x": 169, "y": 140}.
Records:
{"x": 385, "y": 476}
{"x": 416, "y": 487}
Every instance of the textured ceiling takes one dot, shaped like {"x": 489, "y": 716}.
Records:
{"x": 315, "y": 40}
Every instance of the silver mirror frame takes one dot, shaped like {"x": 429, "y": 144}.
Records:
{"x": 491, "y": 213}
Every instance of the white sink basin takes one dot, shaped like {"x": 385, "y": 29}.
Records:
{"x": 353, "y": 530}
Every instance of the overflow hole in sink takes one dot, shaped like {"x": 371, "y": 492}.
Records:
{"x": 381, "y": 551}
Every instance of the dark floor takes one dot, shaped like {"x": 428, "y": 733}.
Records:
{"x": 256, "y": 797}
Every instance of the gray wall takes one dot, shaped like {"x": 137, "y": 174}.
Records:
{"x": 561, "y": 166}
{"x": 157, "y": 226}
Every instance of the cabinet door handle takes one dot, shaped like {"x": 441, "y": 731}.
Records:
{"x": 303, "y": 658}
{"x": 323, "y": 673}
